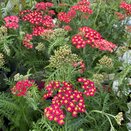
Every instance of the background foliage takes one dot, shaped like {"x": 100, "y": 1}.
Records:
{"x": 26, "y": 113}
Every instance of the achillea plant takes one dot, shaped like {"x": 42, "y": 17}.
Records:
{"x": 67, "y": 97}
{"x": 58, "y": 66}
{"x": 63, "y": 56}
{"x": 106, "y": 62}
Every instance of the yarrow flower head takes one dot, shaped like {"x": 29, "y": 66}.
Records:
{"x": 72, "y": 100}
{"x": 104, "y": 45}
{"x": 38, "y": 30}
{"x": 55, "y": 113}
{"x": 88, "y": 86}
{"x": 48, "y": 22}
{"x": 51, "y": 12}
{"x": 33, "y": 17}
{"x": 21, "y": 87}
{"x": 12, "y": 22}
{"x": 106, "y": 62}
{"x": 50, "y": 34}
{"x": 91, "y": 37}
{"x": 63, "y": 56}
{"x": 119, "y": 118}
{"x": 98, "y": 79}
{"x": 43, "y": 5}
{"x": 82, "y": 6}
{"x": 121, "y": 50}
{"x": 63, "y": 17}
{"x": 85, "y": 36}
{"x": 126, "y": 7}
{"x": 40, "y": 19}
{"x": 78, "y": 41}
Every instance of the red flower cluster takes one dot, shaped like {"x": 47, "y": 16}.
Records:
{"x": 39, "y": 20}
{"x": 71, "y": 13}
{"x": 62, "y": 16}
{"x": 88, "y": 86}
{"x": 53, "y": 112}
{"x": 104, "y": 45}
{"x": 80, "y": 65}
{"x": 126, "y": 7}
{"x": 68, "y": 98}
{"x": 38, "y": 30}
{"x": 90, "y": 35}
{"x": 26, "y": 41}
{"x": 33, "y": 17}
{"x": 11, "y": 22}
{"x": 82, "y": 6}
{"x": 43, "y": 5}
{"x": 48, "y": 21}
{"x": 21, "y": 87}
{"x": 86, "y": 36}
{"x": 51, "y": 12}
{"x": 93, "y": 38}
{"x": 50, "y": 88}
{"x": 72, "y": 99}
{"x": 67, "y": 17}
{"x": 78, "y": 41}
{"x": 67, "y": 28}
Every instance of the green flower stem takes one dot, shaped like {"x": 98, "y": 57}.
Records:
{"x": 87, "y": 114}
{"x": 84, "y": 51}
{"x": 66, "y": 124}
{"x": 101, "y": 112}
{"x": 98, "y": 11}
{"x": 106, "y": 114}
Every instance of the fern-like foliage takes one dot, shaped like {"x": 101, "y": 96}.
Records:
{"x": 44, "y": 125}
{"x": 7, "y": 106}
{"x": 56, "y": 43}
{"x": 64, "y": 73}
{"x": 33, "y": 97}
{"x": 105, "y": 103}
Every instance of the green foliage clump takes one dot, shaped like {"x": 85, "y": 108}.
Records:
{"x": 52, "y": 58}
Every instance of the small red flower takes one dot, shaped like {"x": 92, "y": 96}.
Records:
{"x": 51, "y": 12}
{"x": 69, "y": 98}
{"x": 21, "y": 87}
{"x": 126, "y": 7}
{"x": 12, "y": 22}
{"x": 33, "y": 17}
{"x": 78, "y": 41}
{"x": 88, "y": 86}
{"x": 63, "y": 17}
{"x": 67, "y": 28}
{"x": 38, "y": 30}
{"x": 43, "y": 5}
{"x": 104, "y": 45}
